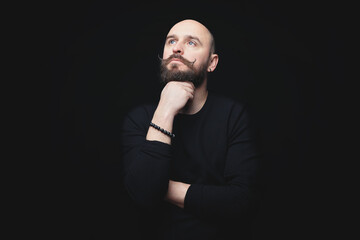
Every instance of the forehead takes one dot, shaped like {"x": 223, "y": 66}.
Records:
{"x": 191, "y": 28}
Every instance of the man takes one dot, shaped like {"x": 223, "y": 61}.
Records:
{"x": 190, "y": 162}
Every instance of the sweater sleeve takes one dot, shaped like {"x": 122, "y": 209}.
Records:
{"x": 230, "y": 200}
{"x": 145, "y": 163}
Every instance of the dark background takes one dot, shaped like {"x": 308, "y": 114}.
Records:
{"x": 284, "y": 58}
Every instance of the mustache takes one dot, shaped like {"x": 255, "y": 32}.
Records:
{"x": 178, "y": 56}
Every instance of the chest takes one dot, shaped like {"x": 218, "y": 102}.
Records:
{"x": 199, "y": 151}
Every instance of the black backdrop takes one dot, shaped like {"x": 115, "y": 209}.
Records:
{"x": 284, "y": 58}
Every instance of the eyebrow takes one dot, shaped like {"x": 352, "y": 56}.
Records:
{"x": 186, "y": 36}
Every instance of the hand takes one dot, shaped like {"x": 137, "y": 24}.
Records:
{"x": 175, "y": 96}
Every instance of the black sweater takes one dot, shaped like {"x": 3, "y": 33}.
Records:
{"x": 214, "y": 151}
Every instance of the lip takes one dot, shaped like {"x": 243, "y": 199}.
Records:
{"x": 176, "y": 59}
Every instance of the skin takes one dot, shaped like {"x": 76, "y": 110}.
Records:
{"x": 192, "y": 40}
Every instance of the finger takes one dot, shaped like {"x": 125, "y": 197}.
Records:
{"x": 189, "y": 89}
{"x": 188, "y": 84}
{"x": 190, "y": 96}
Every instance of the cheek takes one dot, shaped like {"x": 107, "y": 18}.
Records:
{"x": 166, "y": 52}
{"x": 200, "y": 60}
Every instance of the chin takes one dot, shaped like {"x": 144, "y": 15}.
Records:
{"x": 177, "y": 69}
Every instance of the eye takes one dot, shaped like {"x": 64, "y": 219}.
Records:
{"x": 192, "y": 43}
{"x": 172, "y": 41}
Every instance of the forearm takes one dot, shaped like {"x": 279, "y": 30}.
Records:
{"x": 209, "y": 201}
{"x": 229, "y": 201}
{"x": 164, "y": 119}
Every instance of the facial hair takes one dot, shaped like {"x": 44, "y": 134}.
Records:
{"x": 196, "y": 76}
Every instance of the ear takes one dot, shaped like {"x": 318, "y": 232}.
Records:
{"x": 214, "y": 59}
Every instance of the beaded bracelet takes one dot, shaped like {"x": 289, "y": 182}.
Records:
{"x": 162, "y": 130}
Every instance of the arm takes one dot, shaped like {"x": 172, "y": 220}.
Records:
{"x": 146, "y": 151}
{"x": 233, "y": 198}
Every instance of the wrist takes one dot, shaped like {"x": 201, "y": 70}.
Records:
{"x": 163, "y": 120}
{"x": 163, "y": 115}
{"x": 176, "y": 193}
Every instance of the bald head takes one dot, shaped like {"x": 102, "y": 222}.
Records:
{"x": 190, "y": 25}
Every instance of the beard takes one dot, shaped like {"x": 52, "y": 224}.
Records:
{"x": 196, "y": 76}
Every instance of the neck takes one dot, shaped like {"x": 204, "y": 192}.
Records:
{"x": 195, "y": 105}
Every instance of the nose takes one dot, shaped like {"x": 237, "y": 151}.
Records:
{"x": 178, "y": 48}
